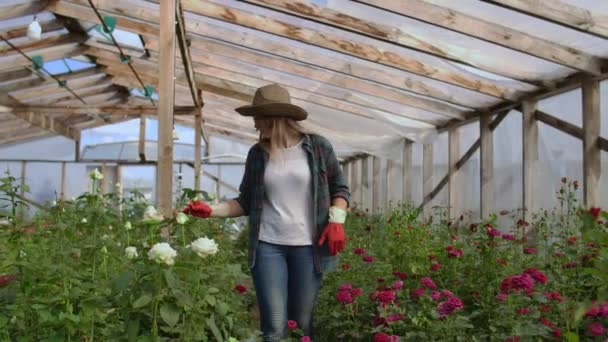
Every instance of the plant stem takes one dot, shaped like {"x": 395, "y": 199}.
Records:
{"x": 156, "y": 302}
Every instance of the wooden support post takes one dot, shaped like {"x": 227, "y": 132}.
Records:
{"x": 376, "y": 185}
{"x": 454, "y": 179}
{"x": 365, "y": 188}
{"x": 530, "y": 156}
{"x": 166, "y": 93}
{"x": 486, "y": 147}
{"x": 63, "y": 175}
{"x": 592, "y": 162}
{"x": 392, "y": 175}
{"x": 355, "y": 187}
{"x": 346, "y": 172}
{"x": 22, "y": 192}
{"x": 77, "y": 150}
{"x": 118, "y": 185}
{"x": 218, "y": 183}
{"x": 104, "y": 180}
{"x": 197, "y": 150}
{"x": 142, "y": 138}
{"x": 427, "y": 172}
{"x": 408, "y": 171}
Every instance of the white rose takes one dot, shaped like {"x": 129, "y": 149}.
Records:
{"x": 181, "y": 218}
{"x": 131, "y": 252}
{"x": 96, "y": 174}
{"x": 84, "y": 220}
{"x": 151, "y": 215}
{"x": 162, "y": 253}
{"x": 128, "y": 225}
{"x": 54, "y": 203}
{"x": 204, "y": 247}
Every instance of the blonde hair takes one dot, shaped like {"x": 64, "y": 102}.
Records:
{"x": 281, "y": 128}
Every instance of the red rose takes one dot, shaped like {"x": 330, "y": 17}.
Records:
{"x": 596, "y": 329}
{"x": 344, "y": 297}
{"x": 595, "y": 212}
{"x": 291, "y": 325}
{"x": 240, "y": 288}
{"x": 6, "y": 279}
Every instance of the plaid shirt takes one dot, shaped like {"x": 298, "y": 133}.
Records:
{"x": 328, "y": 182}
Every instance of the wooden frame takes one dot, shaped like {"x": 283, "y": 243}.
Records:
{"x": 166, "y": 92}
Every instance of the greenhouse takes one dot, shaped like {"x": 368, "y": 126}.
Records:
{"x": 470, "y": 141}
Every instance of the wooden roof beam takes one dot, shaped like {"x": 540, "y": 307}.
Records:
{"x": 184, "y": 49}
{"x": 146, "y": 23}
{"x": 119, "y": 110}
{"x": 216, "y": 53}
{"x": 22, "y": 8}
{"x": 50, "y": 124}
{"x": 438, "y": 70}
{"x": 13, "y": 60}
{"x": 248, "y": 85}
{"x": 21, "y": 30}
{"x": 25, "y": 134}
{"x": 560, "y": 12}
{"x": 492, "y": 32}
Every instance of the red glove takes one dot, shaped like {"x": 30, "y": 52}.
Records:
{"x": 198, "y": 209}
{"x": 334, "y": 234}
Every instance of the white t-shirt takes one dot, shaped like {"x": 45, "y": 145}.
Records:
{"x": 287, "y": 206}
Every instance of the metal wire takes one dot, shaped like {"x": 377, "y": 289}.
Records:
{"x": 122, "y": 55}
{"x": 61, "y": 83}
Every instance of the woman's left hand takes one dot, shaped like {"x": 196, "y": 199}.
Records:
{"x": 334, "y": 234}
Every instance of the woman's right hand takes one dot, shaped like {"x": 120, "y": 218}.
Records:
{"x": 198, "y": 209}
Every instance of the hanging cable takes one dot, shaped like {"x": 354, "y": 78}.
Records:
{"x": 123, "y": 57}
{"x": 61, "y": 83}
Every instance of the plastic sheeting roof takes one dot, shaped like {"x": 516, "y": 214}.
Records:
{"x": 370, "y": 73}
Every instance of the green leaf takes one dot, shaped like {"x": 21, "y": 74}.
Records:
{"x": 142, "y": 301}
{"x": 172, "y": 282}
{"x": 133, "y": 330}
{"x": 184, "y": 300}
{"x": 214, "y": 329}
{"x": 121, "y": 282}
{"x": 210, "y": 299}
{"x": 571, "y": 337}
{"x": 170, "y": 314}
{"x": 223, "y": 309}
{"x": 213, "y": 290}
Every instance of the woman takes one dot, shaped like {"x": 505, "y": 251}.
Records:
{"x": 296, "y": 197}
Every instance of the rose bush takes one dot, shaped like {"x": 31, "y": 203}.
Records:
{"x": 86, "y": 270}
{"x": 471, "y": 281}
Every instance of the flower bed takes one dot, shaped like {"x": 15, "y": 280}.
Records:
{"x": 89, "y": 271}
{"x": 86, "y": 271}
{"x": 405, "y": 280}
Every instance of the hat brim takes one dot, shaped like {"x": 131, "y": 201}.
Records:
{"x": 275, "y": 110}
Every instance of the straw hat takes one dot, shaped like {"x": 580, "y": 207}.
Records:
{"x": 272, "y": 100}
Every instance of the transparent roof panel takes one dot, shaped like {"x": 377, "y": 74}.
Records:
{"x": 537, "y": 27}
{"x": 339, "y": 62}
{"x": 66, "y": 66}
{"x": 124, "y": 38}
{"x": 495, "y": 59}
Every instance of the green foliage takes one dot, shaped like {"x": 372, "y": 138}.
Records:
{"x": 75, "y": 281}
{"x": 571, "y": 249}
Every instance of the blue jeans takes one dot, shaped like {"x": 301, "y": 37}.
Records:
{"x": 286, "y": 285}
